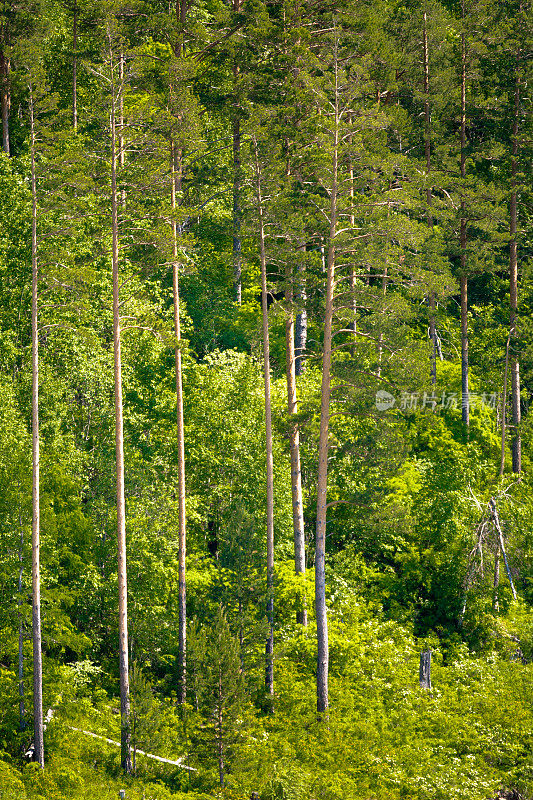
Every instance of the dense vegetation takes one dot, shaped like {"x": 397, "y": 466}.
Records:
{"x": 358, "y": 174}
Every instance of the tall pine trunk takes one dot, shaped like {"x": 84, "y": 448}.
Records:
{"x": 22, "y": 709}
{"x": 237, "y": 179}
{"x": 176, "y": 166}
{"x": 182, "y": 587}
{"x": 379, "y": 348}
{"x": 322, "y": 671}
{"x": 237, "y": 246}
{"x": 429, "y": 196}
{"x": 125, "y": 726}
{"x": 513, "y": 283}
{"x": 75, "y": 67}
{"x": 300, "y": 327}
{"x": 36, "y": 516}
{"x": 294, "y": 444}
{"x": 353, "y": 276}
{"x": 4, "y": 90}
{"x": 465, "y": 403}
{"x": 269, "y": 648}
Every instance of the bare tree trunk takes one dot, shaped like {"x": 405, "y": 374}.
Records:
{"x": 237, "y": 247}
{"x": 424, "y": 672}
{"x": 176, "y": 159}
{"x": 125, "y": 733}
{"x": 496, "y": 519}
{"x": 36, "y": 518}
{"x": 465, "y": 402}
{"x": 353, "y": 277}
{"x": 22, "y": 710}
{"x": 322, "y": 672}
{"x": 300, "y": 328}
{"x": 237, "y": 180}
{"x": 495, "y": 599}
{"x": 429, "y": 197}
{"x": 294, "y": 443}
{"x": 4, "y": 84}
{"x": 513, "y": 284}
{"x": 504, "y": 401}
{"x": 4, "y": 94}
{"x": 496, "y": 584}
{"x": 269, "y": 649}
{"x": 384, "y": 282}
{"x": 182, "y": 602}
{"x": 181, "y": 18}
{"x": 120, "y": 136}
{"x": 75, "y": 68}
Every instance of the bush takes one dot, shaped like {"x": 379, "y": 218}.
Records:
{"x": 11, "y": 786}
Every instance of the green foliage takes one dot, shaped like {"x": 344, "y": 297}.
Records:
{"x": 409, "y": 562}
{"x": 11, "y": 787}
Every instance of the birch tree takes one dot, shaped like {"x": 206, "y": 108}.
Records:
{"x": 269, "y": 649}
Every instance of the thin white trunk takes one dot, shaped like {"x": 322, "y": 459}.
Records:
{"x": 513, "y": 270}
{"x": 125, "y": 737}
{"x": 496, "y": 519}
{"x": 4, "y": 94}
{"x": 269, "y": 649}
{"x": 353, "y": 276}
{"x": 75, "y": 68}
{"x": 294, "y": 443}
{"x": 182, "y": 603}
{"x": 237, "y": 179}
{"x": 322, "y": 672}
{"x": 36, "y": 517}
{"x": 465, "y": 402}
{"x": 22, "y": 710}
{"x": 429, "y": 196}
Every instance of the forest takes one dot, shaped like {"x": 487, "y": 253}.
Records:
{"x": 266, "y": 362}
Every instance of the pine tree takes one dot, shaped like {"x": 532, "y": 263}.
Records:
{"x": 269, "y": 650}
{"x": 36, "y": 524}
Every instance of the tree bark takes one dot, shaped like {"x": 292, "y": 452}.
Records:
{"x": 294, "y": 444}
{"x": 269, "y": 649}
{"x": 384, "y": 283}
{"x": 181, "y": 18}
{"x": 495, "y": 517}
{"x": 353, "y": 276}
{"x": 504, "y": 402}
{"x": 75, "y": 68}
{"x": 182, "y": 602}
{"x": 176, "y": 159}
{"x": 496, "y": 582}
{"x": 300, "y": 329}
{"x": 125, "y": 735}
{"x": 429, "y": 196}
{"x": 4, "y": 85}
{"x": 4, "y": 97}
{"x": 322, "y": 672}
{"x": 237, "y": 247}
{"x": 424, "y": 672}
{"x": 465, "y": 402}
{"x": 22, "y": 710}
{"x": 513, "y": 283}
{"x": 36, "y": 516}
{"x": 237, "y": 180}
